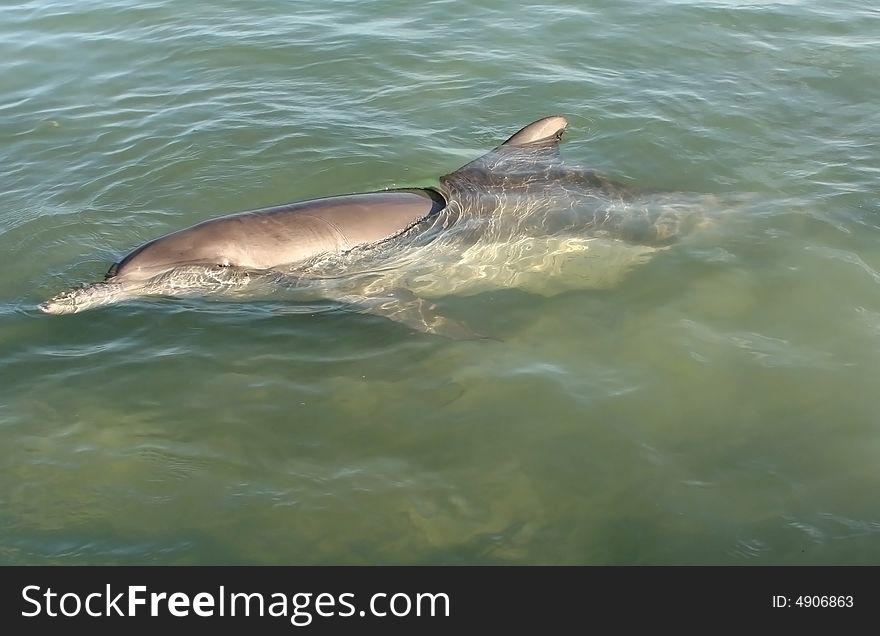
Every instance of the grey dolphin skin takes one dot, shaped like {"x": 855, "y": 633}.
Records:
{"x": 500, "y": 221}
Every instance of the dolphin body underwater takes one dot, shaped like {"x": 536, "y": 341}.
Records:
{"x": 517, "y": 217}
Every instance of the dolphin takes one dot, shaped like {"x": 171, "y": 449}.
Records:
{"x": 518, "y": 216}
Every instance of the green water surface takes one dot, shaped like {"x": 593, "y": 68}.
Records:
{"x": 718, "y": 405}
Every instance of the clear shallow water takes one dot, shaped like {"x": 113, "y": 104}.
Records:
{"x": 718, "y": 405}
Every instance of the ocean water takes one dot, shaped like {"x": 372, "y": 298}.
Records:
{"x": 717, "y": 404}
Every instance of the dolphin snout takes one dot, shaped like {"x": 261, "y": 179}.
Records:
{"x": 81, "y": 298}
{"x": 58, "y": 306}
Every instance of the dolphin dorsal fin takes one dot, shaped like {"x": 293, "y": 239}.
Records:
{"x": 536, "y": 143}
{"x": 546, "y": 130}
